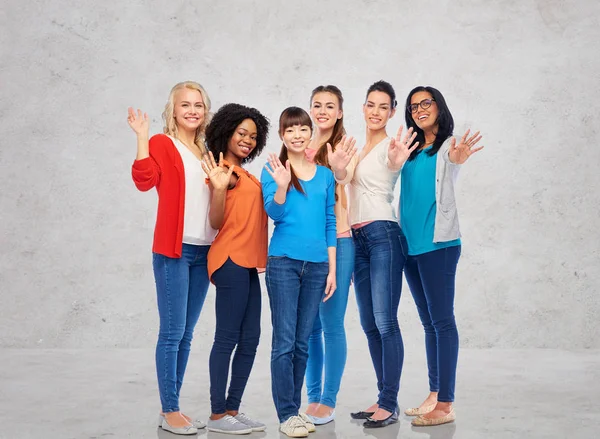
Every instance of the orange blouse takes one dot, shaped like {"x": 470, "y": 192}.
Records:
{"x": 243, "y": 236}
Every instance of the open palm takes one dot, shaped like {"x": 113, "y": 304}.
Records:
{"x": 400, "y": 148}
{"x": 216, "y": 173}
{"x": 344, "y": 151}
{"x": 282, "y": 175}
{"x": 138, "y": 122}
{"x": 460, "y": 153}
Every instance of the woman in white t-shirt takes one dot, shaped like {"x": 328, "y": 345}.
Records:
{"x": 378, "y": 259}
{"x": 171, "y": 162}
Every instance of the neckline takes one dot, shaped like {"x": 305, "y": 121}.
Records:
{"x": 362, "y": 157}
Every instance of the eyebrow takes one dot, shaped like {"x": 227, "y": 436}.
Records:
{"x": 188, "y": 102}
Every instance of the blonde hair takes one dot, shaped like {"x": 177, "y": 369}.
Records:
{"x": 170, "y": 127}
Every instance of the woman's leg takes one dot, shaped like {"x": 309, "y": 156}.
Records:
{"x": 283, "y": 285}
{"x": 333, "y": 314}
{"x": 172, "y": 286}
{"x": 312, "y": 290}
{"x": 386, "y": 265}
{"x": 314, "y": 366}
{"x": 438, "y": 274}
{"x": 243, "y": 360}
{"x": 198, "y": 287}
{"x": 233, "y": 285}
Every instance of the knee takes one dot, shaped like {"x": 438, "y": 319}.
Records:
{"x": 171, "y": 333}
{"x": 386, "y": 324}
{"x": 226, "y": 340}
{"x": 445, "y": 326}
{"x": 249, "y": 342}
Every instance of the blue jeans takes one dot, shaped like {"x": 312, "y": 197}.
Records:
{"x": 378, "y": 284}
{"x": 237, "y": 308}
{"x": 295, "y": 290}
{"x": 329, "y": 323}
{"x": 181, "y": 286}
{"x": 431, "y": 277}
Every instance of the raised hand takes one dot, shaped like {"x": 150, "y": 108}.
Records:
{"x": 459, "y": 154}
{"x": 138, "y": 123}
{"x": 218, "y": 176}
{"x": 400, "y": 149}
{"x": 344, "y": 151}
{"x": 282, "y": 175}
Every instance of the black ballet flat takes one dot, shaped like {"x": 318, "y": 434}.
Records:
{"x": 361, "y": 415}
{"x": 391, "y": 419}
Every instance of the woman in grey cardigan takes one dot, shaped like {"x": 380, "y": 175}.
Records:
{"x": 431, "y": 241}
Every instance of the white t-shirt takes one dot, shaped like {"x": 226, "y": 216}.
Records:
{"x": 371, "y": 186}
{"x": 196, "y": 225}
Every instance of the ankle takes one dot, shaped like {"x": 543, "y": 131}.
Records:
{"x": 233, "y": 413}
{"x": 217, "y": 416}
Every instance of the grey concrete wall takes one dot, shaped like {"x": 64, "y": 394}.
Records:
{"x": 75, "y": 238}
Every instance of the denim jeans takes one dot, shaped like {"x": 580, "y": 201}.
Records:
{"x": 431, "y": 277}
{"x": 237, "y": 308}
{"x": 181, "y": 286}
{"x": 378, "y": 284}
{"x": 295, "y": 290}
{"x": 329, "y": 324}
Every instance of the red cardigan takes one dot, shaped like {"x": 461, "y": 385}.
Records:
{"x": 164, "y": 169}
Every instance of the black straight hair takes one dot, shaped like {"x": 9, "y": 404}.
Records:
{"x": 444, "y": 121}
{"x": 384, "y": 87}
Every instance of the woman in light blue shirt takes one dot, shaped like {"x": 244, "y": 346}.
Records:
{"x": 431, "y": 241}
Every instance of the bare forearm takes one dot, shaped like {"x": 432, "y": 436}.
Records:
{"x": 331, "y": 253}
{"x": 216, "y": 214}
{"x": 143, "y": 148}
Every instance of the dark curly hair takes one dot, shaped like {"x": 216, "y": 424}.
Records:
{"x": 223, "y": 125}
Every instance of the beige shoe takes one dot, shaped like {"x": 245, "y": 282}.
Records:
{"x": 420, "y": 421}
{"x": 420, "y": 410}
{"x": 293, "y": 427}
{"x": 310, "y": 426}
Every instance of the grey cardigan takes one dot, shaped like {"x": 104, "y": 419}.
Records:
{"x": 446, "y": 226}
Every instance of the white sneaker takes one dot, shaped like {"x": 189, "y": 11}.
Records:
{"x": 294, "y": 427}
{"x": 308, "y": 422}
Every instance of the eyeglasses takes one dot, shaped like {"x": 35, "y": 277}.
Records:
{"x": 425, "y": 104}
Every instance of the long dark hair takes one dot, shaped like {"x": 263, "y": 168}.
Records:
{"x": 444, "y": 121}
{"x": 338, "y": 129}
{"x": 290, "y": 117}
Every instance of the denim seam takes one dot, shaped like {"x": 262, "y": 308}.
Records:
{"x": 169, "y": 308}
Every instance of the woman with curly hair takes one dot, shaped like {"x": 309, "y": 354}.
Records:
{"x": 237, "y": 134}
{"x": 171, "y": 162}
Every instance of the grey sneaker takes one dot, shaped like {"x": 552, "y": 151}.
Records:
{"x": 197, "y": 423}
{"x": 229, "y": 425}
{"x": 255, "y": 425}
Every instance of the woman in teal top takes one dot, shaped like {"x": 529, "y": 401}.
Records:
{"x": 431, "y": 241}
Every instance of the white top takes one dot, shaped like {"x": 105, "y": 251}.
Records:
{"x": 196, "y": 225}
{"x": 371, "y": 186}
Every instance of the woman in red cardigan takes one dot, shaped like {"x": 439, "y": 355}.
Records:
{"x": 171, "y": 162}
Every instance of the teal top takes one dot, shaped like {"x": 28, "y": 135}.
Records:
{"x": 418, "y": 204}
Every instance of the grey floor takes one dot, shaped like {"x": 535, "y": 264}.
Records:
{"x": 112, "y": 394}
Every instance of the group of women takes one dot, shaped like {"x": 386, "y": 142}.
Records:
{"x": 334, "y": 222}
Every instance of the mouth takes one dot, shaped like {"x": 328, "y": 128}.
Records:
{"x": 245, "y": 149}
{"x": 322, "y": 119}
{"x": 192, "y": 119}
{"x": 298, "y": 143}
{"x": 375, "y": 120}
{"x": 423, "y": 117}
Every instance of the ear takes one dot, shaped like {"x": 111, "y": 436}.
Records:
{"x": 393, "y": 112}
{"x": 340, "y": 114}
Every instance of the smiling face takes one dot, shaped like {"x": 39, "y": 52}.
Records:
{"x": 325, "y": 110}
{"x": 296, "y": 138}
{"x": 189, "y": 109}
{"x": 426, "y": 119}
{"x": 243, "y": 140}
{"x": 378, "y": 110}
